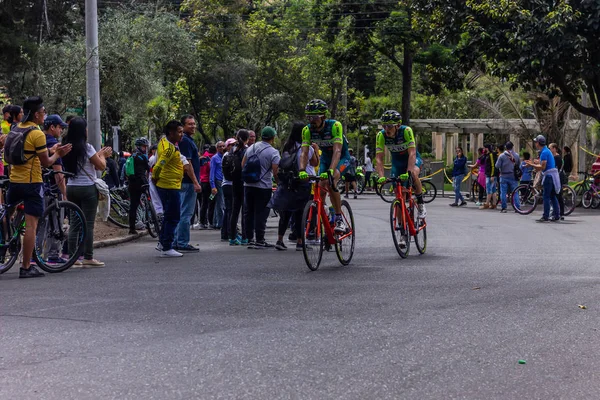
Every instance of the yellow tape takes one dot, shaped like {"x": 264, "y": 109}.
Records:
{"x": 449, "y": 180}
{"x": 589, "y": 152}
{"x": 430, "y": 175}
{"x": 467, "y": 176}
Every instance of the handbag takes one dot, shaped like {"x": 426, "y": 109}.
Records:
{"x": 103, "y": 195}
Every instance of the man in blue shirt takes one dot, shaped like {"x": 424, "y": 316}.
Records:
{"x": 550, "y": 179}
{"x": 216, "y": 180}
{"x": 189, "y": 186}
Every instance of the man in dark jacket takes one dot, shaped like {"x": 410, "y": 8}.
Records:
{"x": 137, "y": 180}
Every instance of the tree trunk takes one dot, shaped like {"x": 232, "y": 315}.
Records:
{"x": 407, "y": 77}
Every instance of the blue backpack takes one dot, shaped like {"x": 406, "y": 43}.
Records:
{"x": 251, "y": 170}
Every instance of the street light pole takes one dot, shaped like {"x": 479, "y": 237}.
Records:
{"x": 92, "y": 73}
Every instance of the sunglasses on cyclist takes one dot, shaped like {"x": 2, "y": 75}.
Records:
{"x": 313, "y": 118}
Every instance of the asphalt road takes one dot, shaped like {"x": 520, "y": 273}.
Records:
{"x": 229, "y": 323}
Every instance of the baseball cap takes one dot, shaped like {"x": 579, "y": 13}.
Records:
{"x": 268, "y": 132}
{"x": 230, "y": 141}
{"x": 540, "y": 139}
{"x": 54, "y": 119}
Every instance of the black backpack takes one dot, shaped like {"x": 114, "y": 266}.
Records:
{"x": 251, "y": 172}
{"x": 288, "y": 168}
{"x": 516, "y": 168}
{"x": 14, "y": 146}
{"x": 232, "y": 166}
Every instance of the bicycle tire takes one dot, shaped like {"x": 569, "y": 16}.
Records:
{"x": 360, "y": 184}
{"x": 579, "y": 189}
{"x": 399, "y": 229}
{"x": 348, "y": 242}
{"x": 152, "y": 222}
{"x": 312, "y": 248}
{"x": 569, "y": 199}
{"x": 75, "y": 218}
{"x": 13, "y": 248}
{"x": 586, "y": 200}
{"x": 429, "y": 191}
{"x": 119, "y": 209}
{"x": 527, "y": 199}
{"x": 421, "y": 228}
{"x": 386, "y": 192}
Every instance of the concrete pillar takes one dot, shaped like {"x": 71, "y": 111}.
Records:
{"x": 472, "y": 145}
{"x": 463, "y": 143}
{"x": 516, "y": 141}
{"x": 439, "y": 146}
{"x": 451, "y": 141}
{"x": 479, "y": 140}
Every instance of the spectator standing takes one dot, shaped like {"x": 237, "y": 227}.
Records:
{"x": 490, "y": 178}
{"x": 550, "y": 179}
{"x": 26, "y": 179}
{"x": 84, "y": 161}
{"x": 207, "y": 209}
{"x": 568, "y": 161}
{"x": 16, "y": 116}
{"x": 292, "y": 195}
{"x": 237, "y": 186}
{"x": 136, "y": 181}
{"x": 251, "y": 138}
{"x": 154, "y": 196}
{"x": 227, "y": 190}
{"x": 53, "y": 128}
{"x": 564, "y": 179}
{"x": 458, "y": 174}
{"x": 122, "y": 161}
{"x": 167, "y": 174}
{"x": 111, "y": 176}
{"x": 189, "y": 185}
{"x": 508, "y": 182}
{"x": 368, "y": 171}
{"x": 350, "y": 174}
{"x": 257, "y": 194}
{"x": 480, "y": 165}
{"x": 216, "y": 180}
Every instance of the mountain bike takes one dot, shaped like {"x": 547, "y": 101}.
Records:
{"x": 13, "y": 226}
{"x": 150, "y": 219}
{"x": 581, "y": 187}
{"x": 318, "y": 232}
{"x": 591, "y": 197}
{"x": 61, "y": 223}
{"x": 530, "y": 196}
{"x": 119, "y": 209}
{"x": 404, "y": 219}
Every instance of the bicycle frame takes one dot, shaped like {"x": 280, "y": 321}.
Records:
{"x": 401, "y": 194}
{"x": 323, "y": 216}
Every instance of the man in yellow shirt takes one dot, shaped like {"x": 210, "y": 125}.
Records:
{"x": 26, "y": 179}
{"x": 166, "y": 175}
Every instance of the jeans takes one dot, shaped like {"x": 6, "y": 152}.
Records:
{"x": 207, "y": 210}
{"x": 507, "y": 186}
{"x": 218, "y": 213}
{"x": 228, "y": 200}
{"x": 550, "y": 197}
{"x": 256, "y": 211}
{"x": 86, "y": 197}
{"x": 238, "y": 204}
{"x": 188, "y": 203}
{"x": 135, "y": 194}
{"x": 171, "y": 202}
{"x": 456, "y": 181}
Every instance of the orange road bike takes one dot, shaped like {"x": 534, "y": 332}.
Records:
{"x": 318, "y": 232}
{"x": 404, "y": 218}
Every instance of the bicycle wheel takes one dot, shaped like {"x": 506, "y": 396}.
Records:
{"x": 429, "y": 191}
{"x": 344, "y": 245}
{"x": 586, "y": 200}
{"x": 119, "y": 212}
{"x": 11, "y": 243}
{"x": 579, "y": 189}
{"x": 569, "y": 199}
{"x": 421, "y": 227}
{"x": 360, "y": 184}
{"x": 386, "y": 192}
{"x": 527, "y": 199}
{"x": 341, "y": 186}
{"x": 152, "y": 222}
{"x": 59, "y": 221}
{"x": 399, "y": 227}
{"x": 313, "y": 236}
{"x": 596, "y": 201}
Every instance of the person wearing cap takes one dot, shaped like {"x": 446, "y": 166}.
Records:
{"x": 506, "y": 166}
{"x": 141, "y": 167}
{"x": 550, "y": 179}
{"x": 227, "y": 191}
{"x": 26, "y": 179}
{"x": 258, "y": 194}
{"x": 216, "y": 180}
{"x": 53, "y": 129}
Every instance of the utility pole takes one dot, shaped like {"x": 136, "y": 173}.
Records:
{"x": 92, "y": 74}
{"x": 581, "y": 160}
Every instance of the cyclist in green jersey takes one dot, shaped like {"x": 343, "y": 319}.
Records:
{"x": 335, "y": 158}
{"x": 400, "y": 141}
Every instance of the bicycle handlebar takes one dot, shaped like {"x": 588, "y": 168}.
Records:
{"x": 51, "y": 173}
{"x": 317, "y": 178}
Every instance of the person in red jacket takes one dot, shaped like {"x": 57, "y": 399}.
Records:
{"x": 208, "y": 206}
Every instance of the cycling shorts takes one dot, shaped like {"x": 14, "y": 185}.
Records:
{"x": 325, "y": 162}
{"x": 400, "y": 167}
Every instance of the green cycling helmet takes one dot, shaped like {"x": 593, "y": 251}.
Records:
{"x": 316, "y": 107}
{"x": 391, "y": 117}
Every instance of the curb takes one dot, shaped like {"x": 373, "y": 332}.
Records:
{"x": 119, "y": 240}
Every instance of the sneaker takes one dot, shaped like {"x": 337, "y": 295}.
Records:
{"x": 31, "y": 272}
{"x": 542, "y": 220}
{"x": 139, "y": 226}
{"x": 158, "y": 247}
{"x": 355, "y": 196}
{"x": 238, "y": 238}
{"x": 422, "y": 211}
{"x": 196, "y": 227}
{"x": 340, "y": 226}
{"x": 463, "y": 203}
{"x": 503, "y": 210}
{"x": 453, "y": 204}
{"x": 171, "y": 253}
{"x": 57, "y": 260}
{"x": 251, "y": 244}
{"x": 262, "y": 245}
{"x": 479, "y": 204}
{"x": 234, "y": 242}
{"x": 93, "y": 263}
{"x": 244, "y": 242}
{"x": 188, "y": 248}
{"x": 280, "y": 245}
{"x": 554, "y": 219}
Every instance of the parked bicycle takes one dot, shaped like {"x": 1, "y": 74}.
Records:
{"x": 529, "y": 196}
{"x": 591, "y": 197}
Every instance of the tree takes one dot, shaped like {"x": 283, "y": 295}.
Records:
{"x": 541, "y": 45}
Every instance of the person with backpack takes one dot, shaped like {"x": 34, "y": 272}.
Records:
{"x": 509, "y": 167}
{"x": 27, "y": 152}
{"x": 232, "y": 170}
{"x": 136, "y": 169}
{"x": 207, "y": 208}
{"x": 292, "y": 194}
{"x": 227, "y": 191}
{"x": 259, "y": 166}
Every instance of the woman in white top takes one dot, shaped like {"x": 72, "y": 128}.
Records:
{"x": 84, "y": 161}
